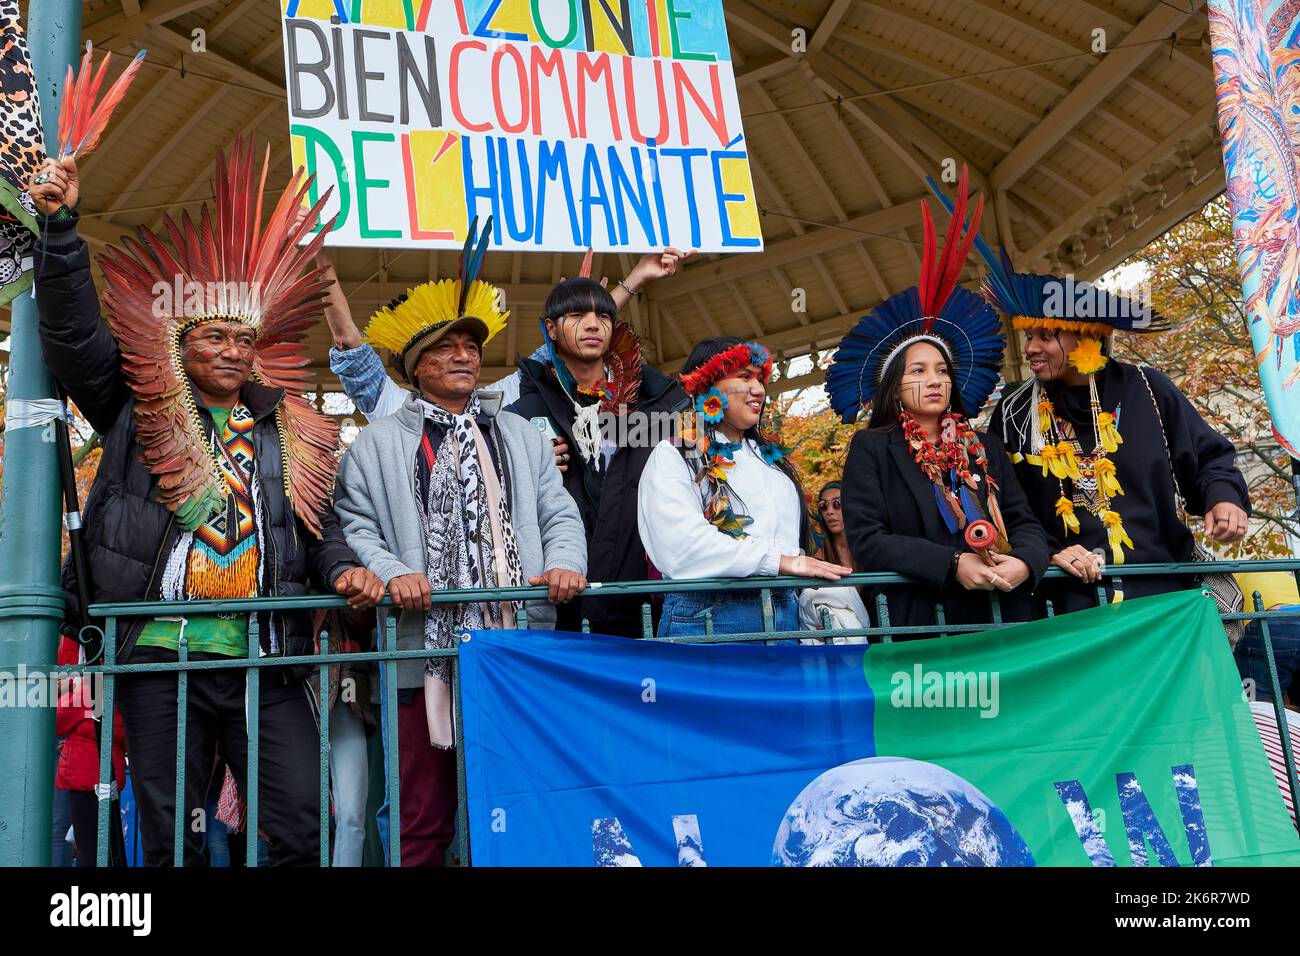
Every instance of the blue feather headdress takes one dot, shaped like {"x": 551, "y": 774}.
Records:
{"x": 937, "y": 310}
{"x": 1051, "y": 302}
{"x": 966, "y": 328}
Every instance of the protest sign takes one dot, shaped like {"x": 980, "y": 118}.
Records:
{"x": 606, "y": 123}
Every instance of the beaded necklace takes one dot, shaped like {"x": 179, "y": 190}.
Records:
{"x": 1095, "y": 485}
{"x": 947, "y": 465}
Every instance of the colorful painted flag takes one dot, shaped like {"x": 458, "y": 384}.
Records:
{"x": 1114, "y": 736}
{"x": 1257, "y": 87}
{"x": 21, "y": 150}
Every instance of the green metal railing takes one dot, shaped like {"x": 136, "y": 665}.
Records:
{"x": 387, "y": 656}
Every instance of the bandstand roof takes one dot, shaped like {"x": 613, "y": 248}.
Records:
{"x": 1084, "y": 158}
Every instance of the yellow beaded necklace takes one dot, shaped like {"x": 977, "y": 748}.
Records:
{"x": 1062, "y": 458}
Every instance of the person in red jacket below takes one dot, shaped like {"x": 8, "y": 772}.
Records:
{"x": 78, "y": 770}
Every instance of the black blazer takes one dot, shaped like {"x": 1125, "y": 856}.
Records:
{"x": 893, "y": 524}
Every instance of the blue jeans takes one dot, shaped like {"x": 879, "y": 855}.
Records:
{"x": 734, "y": 612}
{"x": 1253, "y": 663}
{"x": 349, "y": 784}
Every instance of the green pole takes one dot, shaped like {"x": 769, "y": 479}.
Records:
{"x": 31, "y": 601}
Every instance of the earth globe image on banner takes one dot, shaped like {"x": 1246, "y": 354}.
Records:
{"x": 893, "y": 811}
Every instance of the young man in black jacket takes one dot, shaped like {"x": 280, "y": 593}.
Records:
{"x": 211, "y": 485}
{"x": 606, "y": 411}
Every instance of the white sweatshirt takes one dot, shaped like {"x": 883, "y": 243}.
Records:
{"x": 682, "y": 544}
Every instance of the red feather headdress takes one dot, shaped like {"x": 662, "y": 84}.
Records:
{"x": 81, "y": 120}
{"x": 240, "y": 271}
{"x": 727, "y": 364}
{"x": 939, "y": 274}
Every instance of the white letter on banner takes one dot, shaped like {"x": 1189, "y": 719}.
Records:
{"x": 610, "y": 844}
{"x": 690, "y": 849}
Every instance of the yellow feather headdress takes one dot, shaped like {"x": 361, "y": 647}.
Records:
{"x": 413, "y": 321}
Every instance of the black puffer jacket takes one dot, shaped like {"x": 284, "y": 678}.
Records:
{"x": 606, "y": 499}
{"x": 127, "y": 533}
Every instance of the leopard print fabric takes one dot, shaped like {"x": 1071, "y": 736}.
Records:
{"x": 21, "y": 151}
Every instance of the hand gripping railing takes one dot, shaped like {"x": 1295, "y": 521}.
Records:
{"x": 387, "y": 657}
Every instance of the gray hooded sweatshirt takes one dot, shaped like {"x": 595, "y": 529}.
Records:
{"x": 375, "y": 502}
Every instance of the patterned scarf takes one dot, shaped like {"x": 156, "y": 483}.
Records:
{"x": 468, "y": 536}
{"x": 221, "y": 557}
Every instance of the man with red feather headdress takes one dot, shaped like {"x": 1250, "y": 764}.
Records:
{"x": 215, "y": 482}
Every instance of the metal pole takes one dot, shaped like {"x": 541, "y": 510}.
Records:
{"x": 31, "y": 601}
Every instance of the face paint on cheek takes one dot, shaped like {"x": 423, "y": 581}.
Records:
{"x": 195, "y": 352}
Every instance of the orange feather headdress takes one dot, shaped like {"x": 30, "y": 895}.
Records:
{"x": 238, "y": 270}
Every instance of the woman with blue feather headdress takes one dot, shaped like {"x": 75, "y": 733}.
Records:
{"x": 924, "y": 494}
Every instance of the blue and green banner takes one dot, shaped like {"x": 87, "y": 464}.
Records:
{"x": 1116, "y": 736}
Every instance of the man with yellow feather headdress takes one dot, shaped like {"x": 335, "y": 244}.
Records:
{"x": 448, "y": 492}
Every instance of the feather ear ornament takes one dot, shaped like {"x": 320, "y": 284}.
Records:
{"x": 81, "y": 120}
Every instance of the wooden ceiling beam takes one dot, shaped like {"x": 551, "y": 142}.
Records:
{"x": 765, "y": 67}
{"x": 998, "y": 57}
{"x": 998, "y": 99}
{"x": 1025, "y": 24}
{"x": 896, "y": 126}
{"x": 878, "y": 47}
{"x": 1198, "y": 128}
{"x": 1112, "y": 20}
{"x": 814, "y": 242}
{"x": 203, "y": 182}
{"x": 1182, "y": 198}
{"x": 829, "y": 23}
{"x": 854, "y": 149}
{"x": 249, "y": 76}
{"x": 745, "y": 310}
{"x": 162, "y": 157}
{"x": 766, "y": 186}
{"x": 227, "y": 18}
{"x": 761, "y": 25}
{"x": 123, "y": 24}
{"x": 1158, "y": 222}
{"x": 1089, "y": 93}
{"x": 705, "y": 315}
{"x": 666, "y": 318}
{"x": 800, "y": 152}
